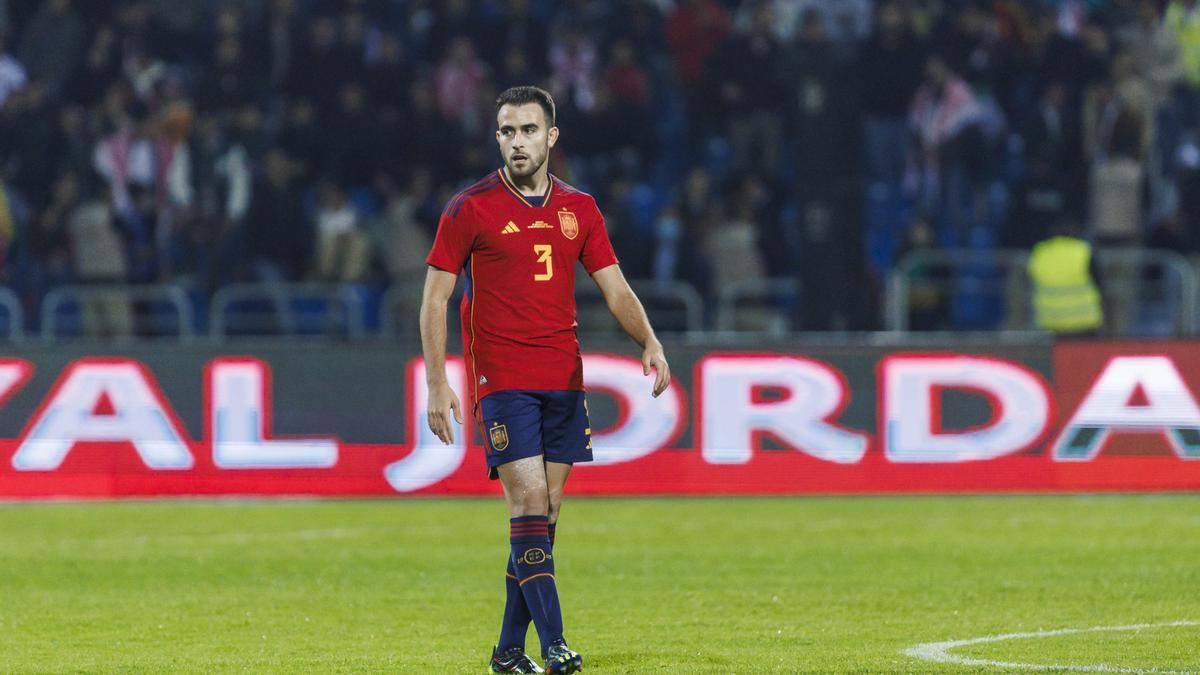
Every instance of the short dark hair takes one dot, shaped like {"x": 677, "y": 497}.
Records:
{"x": 528, "y": 94}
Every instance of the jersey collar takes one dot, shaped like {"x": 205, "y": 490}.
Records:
{"x": 527, "y": 201}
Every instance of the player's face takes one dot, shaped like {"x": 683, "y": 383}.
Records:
{"x": 525, "y": 138}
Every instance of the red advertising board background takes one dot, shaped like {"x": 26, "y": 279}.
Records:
{"x": 368, "y": 404}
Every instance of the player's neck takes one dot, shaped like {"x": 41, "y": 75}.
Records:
{"x": 530, "y": 186}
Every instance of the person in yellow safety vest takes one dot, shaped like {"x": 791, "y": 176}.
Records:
{"x": 1066, "y": 292}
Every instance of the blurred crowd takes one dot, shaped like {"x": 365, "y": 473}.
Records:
{"x": 205, "y": 143}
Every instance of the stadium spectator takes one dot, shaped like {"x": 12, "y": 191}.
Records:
{"x": 352, "y": 148}
{"x": 316, "y": 68}
{"x": 51, "y": 43}
{"x": 695, "y": 31}
{"x": 343, "y": 250}
{"x": 232, "y": 80}
{"x": 516, "y": 67}
{"x": 846, "y": 21}
{"x": 98, "y": 256}
{"x": 401, "y": 235}
{"x": 626, "y": 78}
{"x": 101, "y": 67}
{"x": 945, "y": 116}
{"x": 890, "y": 71}
{"x": 748, "y": 93}
{"x": 699, "y": 213}
{"x": 281, "y": 37}
{"x": 12, "y": 73}
{"x": 1183, "y": 18}
{"x": 276, "y": 230}
{"x": 822, "y": 122}
{"x": 385, "y": 72}
{"x": 927, "y": 281}
{"x": 1067, "y": 299}
{"x": 734, "y": 247}
{"x": 454, "y": 20}
{"x": 573, "y": 69}
{"x": 518, "y": 30}
{"x": 27, "y": 129}
{"x": 1117, "y": 182}
{"x": 458, "y": 80}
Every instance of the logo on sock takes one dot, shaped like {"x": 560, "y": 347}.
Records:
{"x": 535, "y": 556}
{"x": 499, "y": 436}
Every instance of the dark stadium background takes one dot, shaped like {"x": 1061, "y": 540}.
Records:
{"x": 771, "y": 147}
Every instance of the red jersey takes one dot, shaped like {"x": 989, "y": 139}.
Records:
{"x": 519, "y": 255}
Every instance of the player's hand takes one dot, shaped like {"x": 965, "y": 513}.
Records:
{"x": 441, "y": 401}
{"x": 653, "y": 358}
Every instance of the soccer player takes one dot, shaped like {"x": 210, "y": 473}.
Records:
{"x": 517, "y": 235}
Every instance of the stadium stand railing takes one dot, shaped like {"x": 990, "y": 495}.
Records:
{"x": 759, "y": 305}
{"x": 287, "y": 309}
{"x": 400, "y": 305}
{"x": 673, "y": 306}
{"x": 1149, "y": 292}
{"x": 117, "y": 310}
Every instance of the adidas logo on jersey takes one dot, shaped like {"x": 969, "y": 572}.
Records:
{"x": 510, "y": 228}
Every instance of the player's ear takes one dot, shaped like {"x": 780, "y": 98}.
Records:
{"x": 497, "y": 135}
{"x": 552, "y": 135}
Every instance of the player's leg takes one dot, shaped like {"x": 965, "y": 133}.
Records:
{"x": 529, "y": 505}
{"x": 512, "y": 434}
{"x": 556, "y": 480}
{"x": 516, "y": 612}
{"x": 510, "y": 656}
{"x": 567, "y": 436}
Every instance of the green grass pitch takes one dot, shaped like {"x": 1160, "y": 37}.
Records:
{"x": 716, "y": 585}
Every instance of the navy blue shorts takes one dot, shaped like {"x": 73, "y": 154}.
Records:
{"x": 527, "y": 423}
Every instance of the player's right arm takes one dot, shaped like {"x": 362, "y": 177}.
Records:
{"x": 439, "y": 285}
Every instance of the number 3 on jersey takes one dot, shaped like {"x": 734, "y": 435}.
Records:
{"x": 544, "y": 251}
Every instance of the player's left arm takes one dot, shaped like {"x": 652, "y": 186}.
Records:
{"x": 625, "y": 306}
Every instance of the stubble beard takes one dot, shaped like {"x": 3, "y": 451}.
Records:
{"x": 530, "y": 167}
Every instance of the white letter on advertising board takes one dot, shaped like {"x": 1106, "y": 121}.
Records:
{"x": 430, "y": 460}
{"x": 649, "y": 422}
{"x": 813, "y": 395}
{"x": 240, "y": 414}
{"x": 1169, "y": 408}
{"x": 13, "y": 374}
{"x": 911, "y": 411}
{"x": 104, "y": 401}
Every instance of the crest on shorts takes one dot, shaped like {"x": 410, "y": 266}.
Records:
{"x": 568, "y": 223}
{"x": 499, "y": 436}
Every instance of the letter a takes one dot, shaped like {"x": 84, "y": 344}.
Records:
{"x": 138, "y": 416}
{"x": 1169, "y": 408}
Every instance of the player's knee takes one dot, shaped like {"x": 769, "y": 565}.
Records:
{"x": 532, "y": 502}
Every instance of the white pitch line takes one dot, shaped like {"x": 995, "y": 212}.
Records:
{"x": 939, "y": 652}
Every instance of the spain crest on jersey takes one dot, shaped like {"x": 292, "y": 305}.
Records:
{"x": 568, "y": 223}
{"x": 499, "y": 437}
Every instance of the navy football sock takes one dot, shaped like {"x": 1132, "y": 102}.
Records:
{"x": 516, "y": 612}
{"x": 534, "y": 564}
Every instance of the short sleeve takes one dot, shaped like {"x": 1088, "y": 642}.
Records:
{"x": 597, "y": 250}
{"x": 454, "y": 240}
